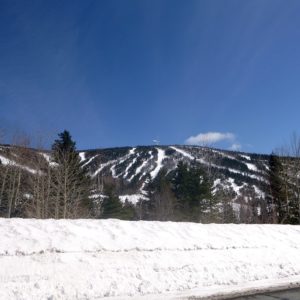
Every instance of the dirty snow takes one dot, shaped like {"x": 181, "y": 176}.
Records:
{"x": 94, "y": 259}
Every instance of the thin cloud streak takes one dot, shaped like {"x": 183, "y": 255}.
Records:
{"x": 235, "y": 147}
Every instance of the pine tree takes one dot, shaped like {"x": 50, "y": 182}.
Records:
{"x": 64, "y": 143}
{"x": 70, "y": 180}
{"x": 193, "y": 191}
{"x": 277, "y": 188}
{"x": 128, "y": 211}
{"x": 111, "y": 206}
{"x": 162, "y": 203}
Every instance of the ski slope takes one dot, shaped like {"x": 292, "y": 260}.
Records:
{"x": 112, "y": 259}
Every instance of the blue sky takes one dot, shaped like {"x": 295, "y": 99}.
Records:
{"x": 115, "y": 73}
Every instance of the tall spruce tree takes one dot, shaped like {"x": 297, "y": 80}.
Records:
{"x": 64, "y": 143}
{"x": 113, "y": 208}
{"x": 71, "y": 182}
{"x": 162, "y": 203}
{"x": 276, "y": 188}
{"x": 193, "y": 191}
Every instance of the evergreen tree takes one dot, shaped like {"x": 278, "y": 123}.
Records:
{"x": 193, "y": 191}
{"x": 64, "y": 143}
{"x": 111, "y": 206}
{"x": 70, "y": 180}
{"x": 128, "y": 211}
{"x": 162, "y": 203}
{"x": 276, "y": 188}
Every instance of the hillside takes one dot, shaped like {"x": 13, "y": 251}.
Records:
{"x": 136, "y": 166}
{"x": 241, "y": 178}
{"x": 132, "y": 169}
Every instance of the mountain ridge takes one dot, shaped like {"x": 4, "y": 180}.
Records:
{"x": 243, "y": 175}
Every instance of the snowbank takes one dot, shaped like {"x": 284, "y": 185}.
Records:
{"x": 89, "y": 259}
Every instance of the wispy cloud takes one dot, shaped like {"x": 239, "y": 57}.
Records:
{"x": 210, "y": 138}
{"x": 235, "y": 147}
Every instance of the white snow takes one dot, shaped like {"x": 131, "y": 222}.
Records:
{"x": 113, "y": 171}
{"x": 5, "y": 161}
{"x": 48, "y": 159}
{"x": 223, "y": 154}
{"x": 145, "y": 162}
{"x": 245, "y": 156}
{"x": 102, "y": 166}
{"x": 131, "y": 152}
{"x": 82, "y": 156}
{"x": 251, "y": 167}
{"x": 234, "y": 186}
{"x": 90, "y": 160}
{"x": 94, "y": 259}
{"x": 46, "y": 156}
{"x": 182, "y": 152}
{"x": 259, "y": 192}
{"x": 134, "y": 198}
{"x": 259, "y": 178}
{"x": 128, "y": 168}
{"x": 160, "y": 157}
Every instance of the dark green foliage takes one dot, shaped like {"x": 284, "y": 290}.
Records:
{"x": 128, "y": 211}
{"x": 276, "y": 187}
{"x": 169, "y": 152}
{"x": 193, "y": 191}
{"x": 284, "y": 188}
{"x": 162, "y": 204}
{"x": 64, "y": 143}
{"x": 234, "y": 164}
{"x": 112, "y": 207}
{"x": 71, "y": 181}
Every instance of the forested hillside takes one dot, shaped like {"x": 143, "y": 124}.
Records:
{"x": 178, "y": 183}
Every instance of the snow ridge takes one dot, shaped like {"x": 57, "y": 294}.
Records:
{"x": 95, "y": 259}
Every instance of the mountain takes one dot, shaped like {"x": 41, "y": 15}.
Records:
{"x": 135, "y": 167}
{"x": 131, "y": 169}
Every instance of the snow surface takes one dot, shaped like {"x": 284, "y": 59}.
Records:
{"x": 234, "y": 186}
{"x": 160, "y": 157}
{"x": 102, "y": 166}
{"x": 182, "y": 152}
{"x": 251, "y": 167}
{"x": 133, "y": 198}
{"x": 143, "y": 165}
{"x": 131, "y": 152}
{"x": 245, "y": 156}
{"x": 82, "y": 156}
{"x": 5, "y": 161}
{"x": 94, "y": 259}
{"x": 90, "y": 160}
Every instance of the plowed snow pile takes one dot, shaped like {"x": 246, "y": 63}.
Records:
{"x": 91, "y": 259}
